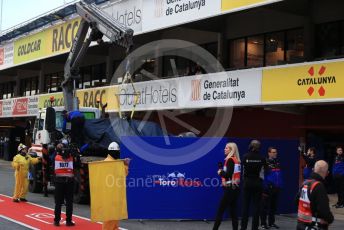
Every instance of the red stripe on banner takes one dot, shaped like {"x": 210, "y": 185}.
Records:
{"x": 34, "y": 216}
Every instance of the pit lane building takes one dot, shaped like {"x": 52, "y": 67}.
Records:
{"x": 283, "y": 59}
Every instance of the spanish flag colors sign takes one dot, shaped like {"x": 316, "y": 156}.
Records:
{"x": 108, "y": 190}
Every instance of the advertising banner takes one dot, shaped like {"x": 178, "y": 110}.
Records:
{"x": 6, "y": 55}
{"x": 7, "y": 107}
{"x": 29, "y": 48}
{"x": 151, "y": 95}
{"x": 304, "y": 82}
{"x": 193, "y": 190}
{"x": 52, "y": 41}
{"x": 32, "y": 108}
{"x": 60, "y": 38}
{"x": 24, "y": 106}
{"x": 98, "y": 97}
{"x": 20, "y": 106}
{"x": 160, "y": 14}
{"x": 127, "y": 12}
{"x": 44, "y": 100}
{"x": 231, "y": 5}
{"x": 221, "y": 89}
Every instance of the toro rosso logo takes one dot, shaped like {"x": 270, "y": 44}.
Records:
{"x": 176, "y": 179}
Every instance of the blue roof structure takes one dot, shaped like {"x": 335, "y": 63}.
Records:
{"x": 44, "y": 20}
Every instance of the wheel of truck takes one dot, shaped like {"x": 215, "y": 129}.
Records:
{"x": 35, "y": 178}
{"x": 80, "y": 196}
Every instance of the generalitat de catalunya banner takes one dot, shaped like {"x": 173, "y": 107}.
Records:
{"x": 192, "y": 190}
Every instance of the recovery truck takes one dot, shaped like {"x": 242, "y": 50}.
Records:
{"x": 48, "y": 125}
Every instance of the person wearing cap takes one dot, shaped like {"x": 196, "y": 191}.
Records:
{"x": 21, "y": 164}
{"x": 114, "y": 154}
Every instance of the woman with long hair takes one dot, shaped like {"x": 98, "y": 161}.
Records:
{"x": 230, "y": 176}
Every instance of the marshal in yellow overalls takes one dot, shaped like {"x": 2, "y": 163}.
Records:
{"x": 112, "y": 224}
{"x": 21, "y": 164}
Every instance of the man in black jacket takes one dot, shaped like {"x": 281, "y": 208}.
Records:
{"x": 253, "y": 165}
{"x": 313, "y": 203}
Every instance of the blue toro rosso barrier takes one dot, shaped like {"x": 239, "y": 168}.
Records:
{"x": 176, "y": 178}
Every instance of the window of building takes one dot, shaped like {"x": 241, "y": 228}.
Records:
{"x": 237, "y": 53}
{"x": 255, "y": 51}
{"x": 29, "y": 86}
{"x": 86, "y": 73}
{"x": 99, "y": 75}
{"x": 274, "y": 49}
{"x": 174, "y": 64}
{"x": 295, "y": 46}
{"x": 7, "y": 90}
{"x": 144, "y": 65}
{"x": 52, "y": 82}
{"x": 328, "y": 39}
{"x": 92, "y": 76}
{"x": 267, "y": 49}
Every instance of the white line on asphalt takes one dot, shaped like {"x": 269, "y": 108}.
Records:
{"x": 41, "y": 206}
{"x": 46, "y": 222}
{"x": 17, "y": 222}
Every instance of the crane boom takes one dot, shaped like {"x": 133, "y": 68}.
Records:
{"x": 101, "y": 24}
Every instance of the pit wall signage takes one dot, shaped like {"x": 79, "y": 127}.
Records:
{"x": 312, "y": 82}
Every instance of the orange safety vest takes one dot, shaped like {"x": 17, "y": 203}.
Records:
{"x": 236, "y": 173}
{"x": 63, "y": 167}
{"x": 304, "y": 213}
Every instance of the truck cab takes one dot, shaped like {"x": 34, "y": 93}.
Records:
{"x": 40, "y": 133}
